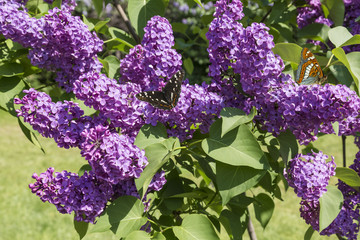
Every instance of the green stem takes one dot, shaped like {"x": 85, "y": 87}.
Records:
{"x": 330, "y": 59}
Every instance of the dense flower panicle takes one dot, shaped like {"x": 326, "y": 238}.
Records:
{"x": 307, "y": 110}
{"x": 58, "y": 41}
{"x": 147, "y": 64}
{"x": 224, "y": 40}
{"x": 232, "y": 8}
{"x": 63, "y": 121}
{"x": 112, "y": 157}
{"x": 67, "y": 46}
{"x": 18, "y": 26}
{"x": 309, "y": 175}
{"x": 246, "y": 50}
{"x": 310, "y": 212}
{"x": 158, "y": 34}
{"x": 86, "y": 196}
{"x": 257, "y": 65}
{"x": 115, "y": 101}
{"x": 312, "y": 13}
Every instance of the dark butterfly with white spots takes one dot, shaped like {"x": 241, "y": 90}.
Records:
{"x": 309, "y": 70}
{"x": 168, "y": 97}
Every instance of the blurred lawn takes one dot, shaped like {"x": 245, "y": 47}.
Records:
{"x": 24, "y": 216}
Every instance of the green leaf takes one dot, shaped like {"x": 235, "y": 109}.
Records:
{"x": 85, "y": 167}
{"x": 315, "y": 31}
{"x": 264, "y": 208}
{"x": 330, "y": 205}
{"x": 342, "y": 74}
{"x": 336, "y": 11}
{"x": 288, "y": 145}
{"x": 189, "y": 66}
{"x": 196, "y": 194}
{"x": 340, "y": 54}
{"x": 158, "y": 236}
{"x": 157, "y": 154}
{"x": 339, "y": 35}
{"x": 288, "y": 52}
{"x": 28, "y": 132}
{"x": 237, "y": 147}
{"x": 199, "y": 2}
{"x": 232, "y": 181}
{"x": 101, "y": 27}
{"x": 138, "y": 235}
{"x": 98, "y": 4}
{"x": 150, "y": 134}
{"x": 9, "y": 88}
{"x": 112, "y": 65}
{"x": 336, "y": 127}
{"x": 179, "y": 27}
{"x": 195, "y": 227}
{"x": 89, "y": 24}
{"x": 122, "y": 36}
{"x": 348, "y": 176}
{"x": 81, "y": 228}
{"x": 311, "y": 234}
{"x": 11, "y": 69}
{"x": 233, "y": 118}
{"x": 140, "y": 11}
{"x": 122, "y": 217}
{"x": 354, "y": 63}
{"x": 236, "y": 222}
{"x": 277, "y": 11}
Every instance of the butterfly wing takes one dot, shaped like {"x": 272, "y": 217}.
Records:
{"x": 309, "y": 70}
{"x": 155, "y": 98}
{"x": 172, "y": 89}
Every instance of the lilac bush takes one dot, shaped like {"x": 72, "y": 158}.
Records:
{"x": 244, "y": 72}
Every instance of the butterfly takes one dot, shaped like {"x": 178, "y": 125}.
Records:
{"x": 168, "y": 97}
{"x": 309, "y": 70}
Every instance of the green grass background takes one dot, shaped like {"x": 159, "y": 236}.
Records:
{"x": 24, "y": 216}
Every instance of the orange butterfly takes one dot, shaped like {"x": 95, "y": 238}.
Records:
{"x": 309, "y": 70}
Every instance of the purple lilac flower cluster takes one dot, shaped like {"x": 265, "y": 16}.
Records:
{"x": 246, "y": 50}
{"x": 86, "y": 195}
{"x": 309, "y": 175}
{"x": 115, "y": 101}
{"x": 62, "y": 121}
{"x": 312, "y": 13}
{"x": 112, "y": 157}
{"x": 59, "y": 41}
{"x": 67, "y": 47}
{"x": 147, "y": 63}
{"x": 308, "y": 110}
